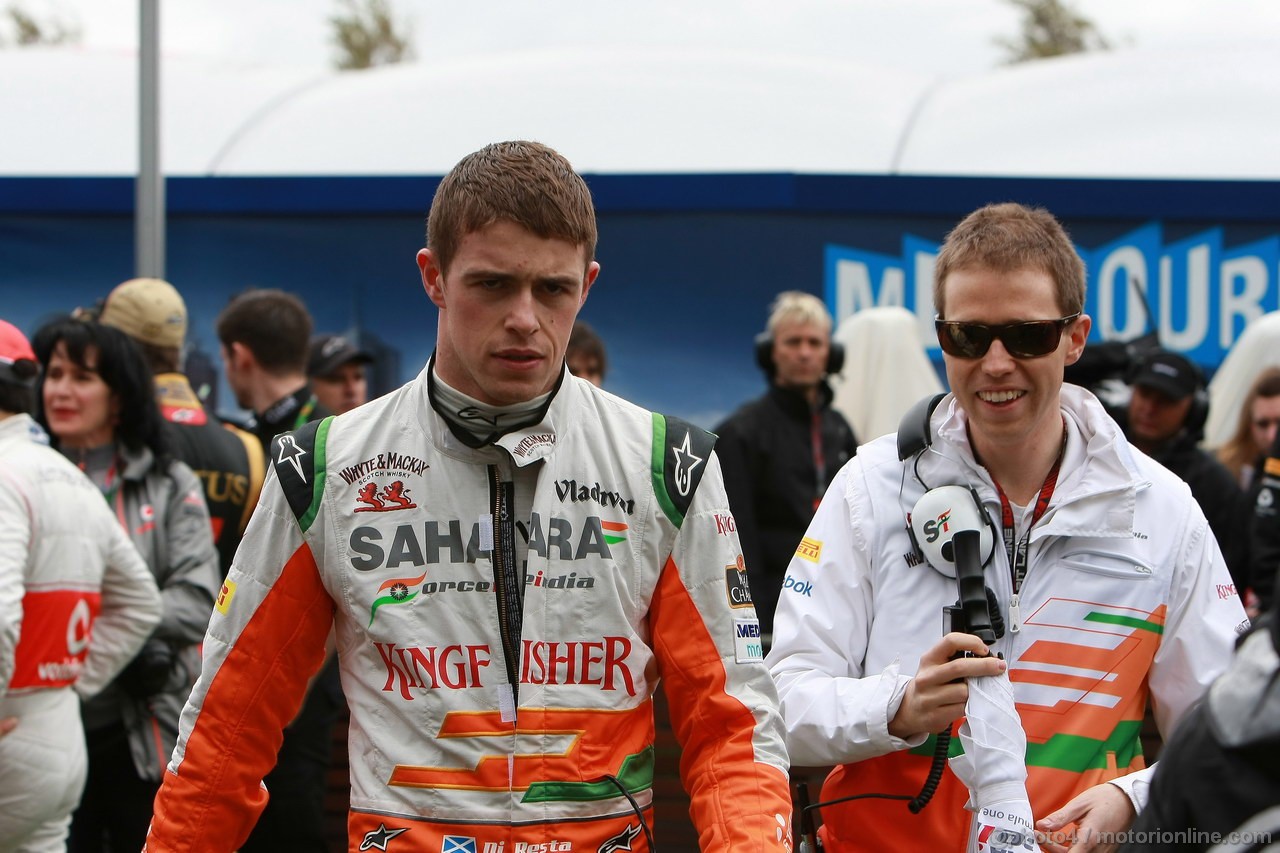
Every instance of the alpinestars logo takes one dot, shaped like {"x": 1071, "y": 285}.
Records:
{"x": 686, "y": 461}
{"x": 389, "y": 499}
{"x": 378, "y": 838}
{"x": 621, "y": 841}
{"x": 471, "y": 413}
{"x": 290, "y": 452}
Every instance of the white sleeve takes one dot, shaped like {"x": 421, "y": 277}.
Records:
{"x": 131, "y": 609}
{"x": 1137, "y": 786}
{"x": 834, "y": 712}
{"x": 15, "y": 540}
{"x": 1203, "y": 620}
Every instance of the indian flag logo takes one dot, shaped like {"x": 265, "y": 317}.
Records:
{"x": 395, "y": 591}
{"x": 614, "y": 532}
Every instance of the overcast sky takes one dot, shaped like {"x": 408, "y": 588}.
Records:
{"x": 947, "y": 37}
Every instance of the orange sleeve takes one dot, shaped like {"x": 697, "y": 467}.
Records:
{"x": 727, "y": 724}
{"x": 265, "y": 641}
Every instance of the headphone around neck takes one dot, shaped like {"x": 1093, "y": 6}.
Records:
{"x": 928, "y": 521}
{"x": 764, "y": 355}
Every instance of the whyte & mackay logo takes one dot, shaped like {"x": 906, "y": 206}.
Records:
{"x": 387, "y": 499}
{"x": 391, "y": 462}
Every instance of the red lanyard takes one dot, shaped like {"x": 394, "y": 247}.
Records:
{"x": 1018, "y": 554}
{"x": 819, "y": 460}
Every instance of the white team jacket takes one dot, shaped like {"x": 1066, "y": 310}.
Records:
{"x": 1126, "y": 590}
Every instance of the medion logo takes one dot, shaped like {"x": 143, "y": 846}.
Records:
{"x": 383, "y": 462}
{"x": 570, "y": 490}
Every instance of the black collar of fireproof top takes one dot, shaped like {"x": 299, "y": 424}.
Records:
{"x": 465, "y": 429}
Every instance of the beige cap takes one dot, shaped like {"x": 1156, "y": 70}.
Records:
{"x": 149, "y": 310}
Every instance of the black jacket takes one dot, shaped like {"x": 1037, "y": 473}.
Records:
{"x": 1264, "y": 555}
{"x": 1222, "y": 765}
{"x": 287, "y": 414}
{"x": 767, "y": 452}
{"x": 227, "y": 460}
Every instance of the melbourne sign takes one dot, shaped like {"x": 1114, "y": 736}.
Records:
{"x": 1198, "y": 293}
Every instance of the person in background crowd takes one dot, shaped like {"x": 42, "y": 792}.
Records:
{"x": 1255, "y": 429}
{"x": 336, "y": 368}
{"x": 1264, "y": 548}
{"x": 1107, "y": 578}
{"x": 886, "y": 369}
{"x": 76, "y": 604}
{"x": 1165, "y": 419}
{"x": 781, "y": 451}
{"x": 1257, "y": 348}
{"x": 98, "y": 406}
{"x": 502, "y": 700}
{"x": 586, "y": 356}
{"x": 265, "y": 337}
{"x": 1243, "y": 455}
{"x": 227, "y": 460}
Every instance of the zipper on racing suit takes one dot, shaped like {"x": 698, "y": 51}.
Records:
{"x": 508, "y": 584}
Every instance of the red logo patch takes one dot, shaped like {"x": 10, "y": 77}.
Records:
{"x": 389, "y": 498}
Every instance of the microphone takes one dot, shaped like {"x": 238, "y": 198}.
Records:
{"x": 939, "y": 515}
{"x": 953, "y": 533}
{"x": 973, "y": 614}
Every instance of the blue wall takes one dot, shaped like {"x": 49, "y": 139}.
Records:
{"x": 690, "y": 262}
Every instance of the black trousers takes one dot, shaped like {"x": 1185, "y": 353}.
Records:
{"x": 115, "y": 811}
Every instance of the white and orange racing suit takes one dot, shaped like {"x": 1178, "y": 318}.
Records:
{"x": 496, "y": 707}
{"x": 1126, "y": 597}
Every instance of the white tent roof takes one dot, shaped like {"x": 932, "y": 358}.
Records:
{"x": 72, "y": 112}
{"x": 1134, "y": 114}
{"x": 1123, "y": 114}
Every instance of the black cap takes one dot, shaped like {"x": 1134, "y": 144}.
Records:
{"x": 329, "y": 352}
{"x": 1168, "y": 373}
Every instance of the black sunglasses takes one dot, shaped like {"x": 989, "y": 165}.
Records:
{"x": 1031, "y": 339}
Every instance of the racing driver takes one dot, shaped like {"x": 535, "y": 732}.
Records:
{"x": 512, "y": 558}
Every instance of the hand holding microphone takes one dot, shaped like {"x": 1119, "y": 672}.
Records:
{"x": 954, "y": 536}
{"x": 950, "y": 528}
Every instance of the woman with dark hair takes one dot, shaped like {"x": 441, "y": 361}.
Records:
{"x": 97, "y": 403}
{"x": 1255, "y": 428}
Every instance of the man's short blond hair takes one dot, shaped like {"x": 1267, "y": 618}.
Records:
{"x": 796, "y": 306}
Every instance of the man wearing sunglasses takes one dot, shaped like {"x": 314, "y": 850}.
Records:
{"x": 1108, "y": 581}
